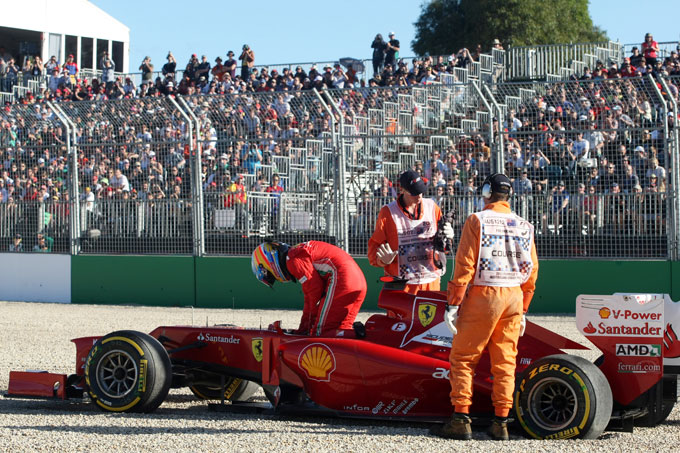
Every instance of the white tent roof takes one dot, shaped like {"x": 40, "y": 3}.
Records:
{"x": 70, "y": 17}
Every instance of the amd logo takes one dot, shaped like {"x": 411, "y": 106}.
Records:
{"x": 638, "y": 350}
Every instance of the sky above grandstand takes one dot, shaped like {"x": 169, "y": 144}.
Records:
{"x": 318, "y": 31}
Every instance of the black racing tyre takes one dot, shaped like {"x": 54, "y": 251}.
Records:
{"x": 128, "y": 371}
{"x": 563, "y": 396}
{"x": 235, "y": 389}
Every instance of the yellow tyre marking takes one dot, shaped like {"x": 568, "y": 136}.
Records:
{"x": 232, "y": 388}
{"x": 585, "y": 415}
{"x": 586, "y": 394}
{"x": 199, "y": 394}
{"x": 119, "y": 409}
{"x": 126, "y": 340}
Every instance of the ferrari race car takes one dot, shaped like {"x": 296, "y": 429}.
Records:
{"x": 393, "y": 367}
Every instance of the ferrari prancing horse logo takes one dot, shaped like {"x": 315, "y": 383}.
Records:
{"x": 426, "y": 313}
{"x": 256, "y": 344}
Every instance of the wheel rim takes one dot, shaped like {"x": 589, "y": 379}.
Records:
{"x": 117, "y": 374}
{"x": 553, "y": 404}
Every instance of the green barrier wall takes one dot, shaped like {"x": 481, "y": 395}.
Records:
{"x": 139, "y": 280}
{"x": 675, "y": 280}
{"x": 212, "y": 282}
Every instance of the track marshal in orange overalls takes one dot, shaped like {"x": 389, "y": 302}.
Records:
{"x": 409, "y": 237}
{"x": 492, "y": 286}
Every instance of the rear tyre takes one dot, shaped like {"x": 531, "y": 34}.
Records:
{"x": 563, "y": 396}
{"x": 128, "y": 371}
{"x": 235, "y": 389}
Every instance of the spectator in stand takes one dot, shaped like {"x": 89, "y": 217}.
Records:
{"x": 170, "y": 67}
{"x": 51, "y": 64}
{"x": 129, "y": 88}
{"x": 536, "y": 173}
{"x": 4, "y": 54}
{"x": 203, "y": 68}
{"x": 108, "y": 68}
{"x": 628, "y": 69}
{"x": 44, "y": 244}
{"x": 247, "y": 58}
{"x": 392, "y": 51}
{"x": 650, "y": 49}
{"x": 16, "y": 245}
{"x": 629, "y": 180}
{"x": 218, "y": 71}
{"x": 559, "y": 201}
{"x": 497, "y": 44}
{"x": 71, "y": 67}
{"x": 654, "y": 169}
{"x": 36, "y": 68}
{"x": 610, "y": 177}
{"x": 581, "y": 147}
{"x": 10, "y": 75}
{"x": 522, "y": 185}
{"x": 435, "y": 163}
{"x": 230, "y": 64}
{"x": 120, "y": 181}
{"x": 147, "y": 70}
{"x": 339, "y": 78}
{"x": 636, "y": 57}
{"x": 379, "y": 47}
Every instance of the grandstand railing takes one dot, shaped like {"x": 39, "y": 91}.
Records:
{"x": 337, "y": 154}
{"x": 536, "y": 62}
{"x": 665, "y": 48}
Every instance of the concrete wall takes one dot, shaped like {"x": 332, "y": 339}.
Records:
{"x": 35, "y": 277}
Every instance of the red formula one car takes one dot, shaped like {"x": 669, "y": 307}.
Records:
{"x": 394, "y": 367}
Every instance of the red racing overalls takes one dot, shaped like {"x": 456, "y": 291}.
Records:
{"x": 333, "y": 285}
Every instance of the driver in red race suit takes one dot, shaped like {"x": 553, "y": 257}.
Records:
{"x": 332, "y": 282}
{"x": 492, "y": 286}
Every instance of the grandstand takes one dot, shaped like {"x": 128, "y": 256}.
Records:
{"x": 188, "y": 167}
{"x": 50, "y": 31}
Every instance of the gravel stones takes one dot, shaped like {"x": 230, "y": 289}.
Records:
{"x": 36, "y": 336}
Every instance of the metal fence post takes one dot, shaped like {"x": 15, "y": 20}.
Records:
{"x": 196, "y": 177}
{"x": 340, "y": 207}
{"x": 670, "y": 237}
{"x": 500, "y": 156}
{"x": 341, "y": 181}
{"x": 74, "y": 193}
{"x": 673, "y": 142}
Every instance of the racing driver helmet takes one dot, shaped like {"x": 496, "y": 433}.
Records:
{"x": 266, "y": 263}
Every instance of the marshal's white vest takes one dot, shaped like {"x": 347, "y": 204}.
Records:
{"x": 416, "y": 263}
{"x": 504, "y": 249}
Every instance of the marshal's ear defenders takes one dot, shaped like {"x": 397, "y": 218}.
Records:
{"x": 496, "y": 183}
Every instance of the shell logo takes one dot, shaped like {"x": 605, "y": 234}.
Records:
{"x": 605, "y": 313}
{"x": 317, "y": 361}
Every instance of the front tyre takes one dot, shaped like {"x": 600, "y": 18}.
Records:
{"x": 563, "y": 396}
{"x": 128, "y": 371}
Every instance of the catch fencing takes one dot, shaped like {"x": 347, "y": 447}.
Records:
{"x": 217, "y": 174}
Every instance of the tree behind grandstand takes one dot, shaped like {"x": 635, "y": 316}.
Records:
{"x": 444, "y": 26}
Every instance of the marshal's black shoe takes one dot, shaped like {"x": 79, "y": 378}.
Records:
{"x": 458, "y": 428}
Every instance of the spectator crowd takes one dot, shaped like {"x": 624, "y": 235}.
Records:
{"x": 598, "y": 135}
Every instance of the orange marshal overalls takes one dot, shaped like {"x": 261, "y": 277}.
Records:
{"x": 490, "y": 314}
{"x": 386, "y": 231}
